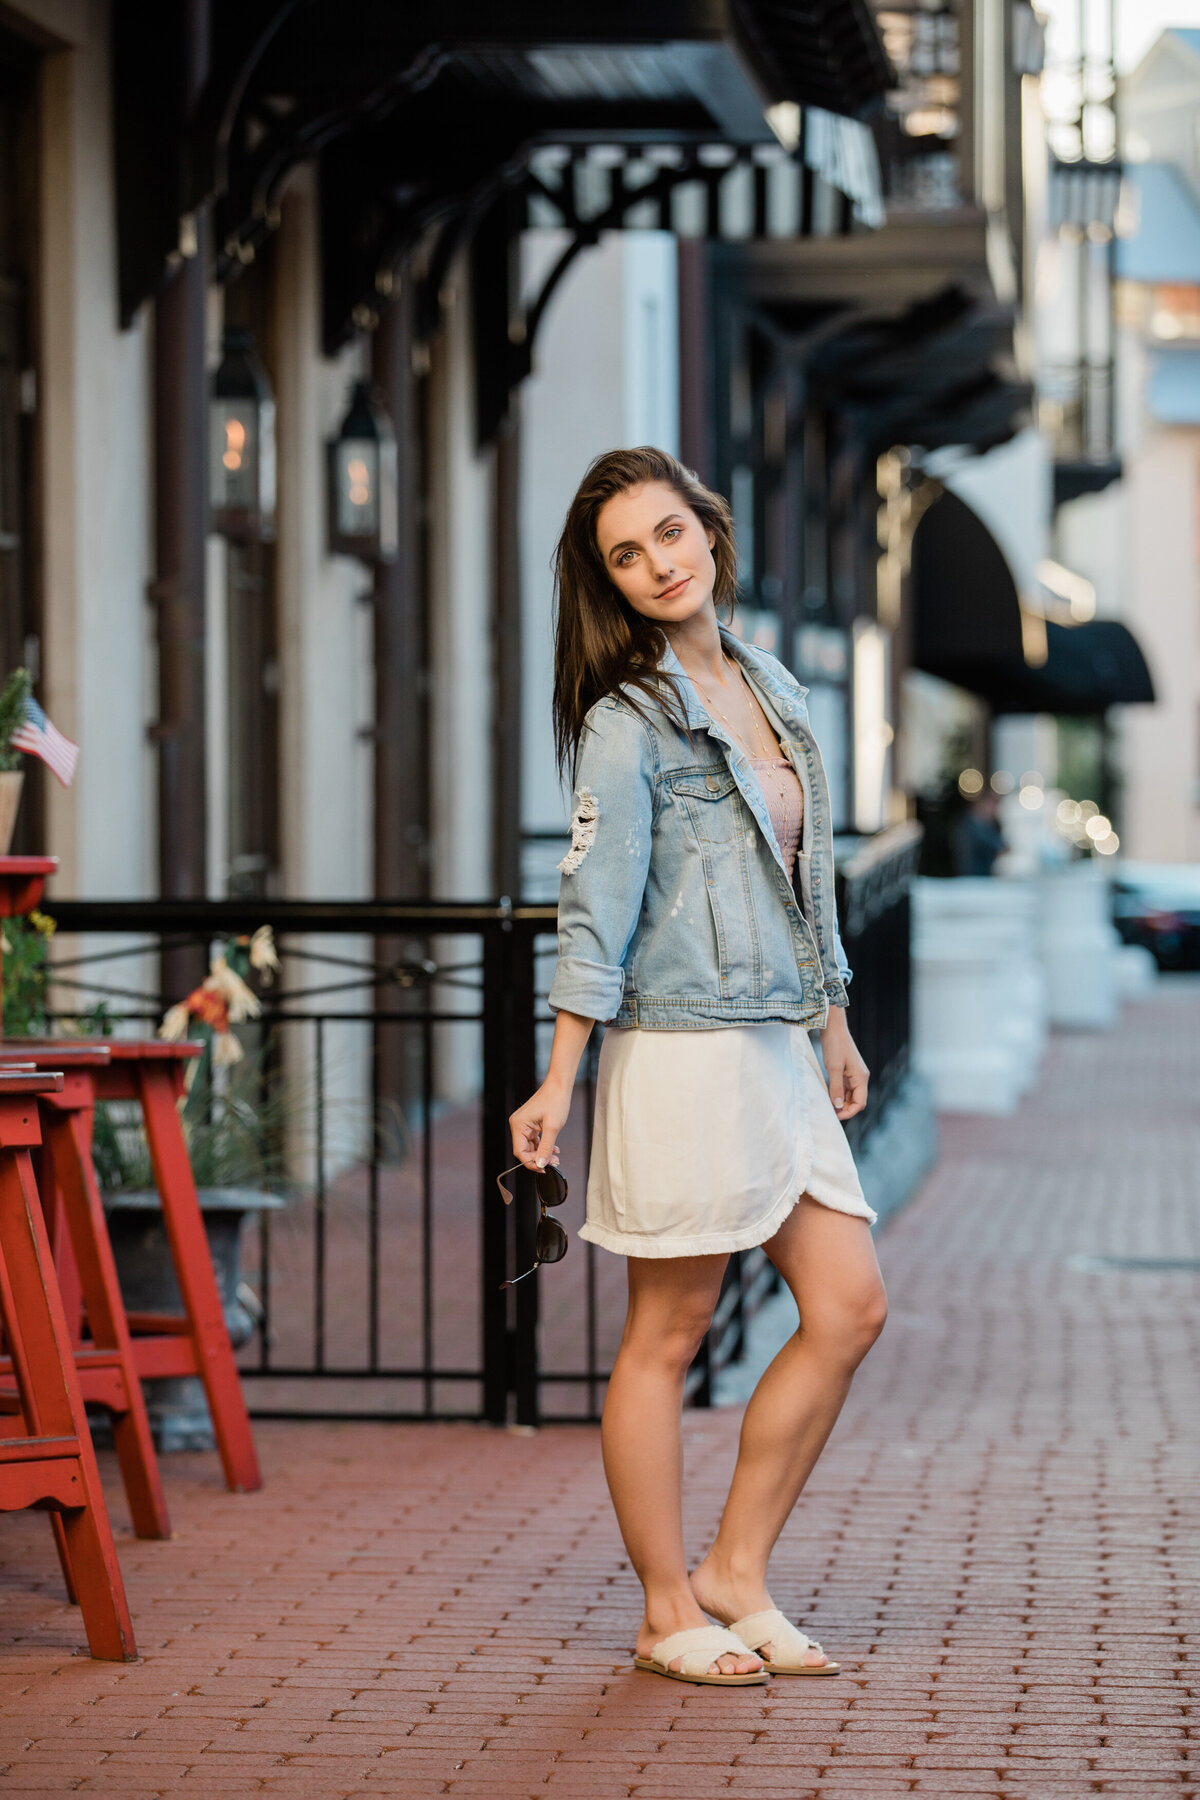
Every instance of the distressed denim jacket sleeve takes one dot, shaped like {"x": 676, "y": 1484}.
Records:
{"x": 604, "y": 872}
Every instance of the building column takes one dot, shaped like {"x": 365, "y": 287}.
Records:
{"x": 178, "y": 586}
{"x": 401, "y": 869}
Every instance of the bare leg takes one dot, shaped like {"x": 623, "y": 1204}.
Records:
{"x": 670, "y": 1305}
{"x": 828, "y": 1261}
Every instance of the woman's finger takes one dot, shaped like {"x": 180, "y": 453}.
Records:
{"x": 546, "y": 1151}
{"x": 856, "y": 1083}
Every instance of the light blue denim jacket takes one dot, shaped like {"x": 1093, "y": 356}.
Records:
{"x": 675, "y": 908}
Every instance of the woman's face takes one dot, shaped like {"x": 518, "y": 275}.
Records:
{"x": 657, "y": 553}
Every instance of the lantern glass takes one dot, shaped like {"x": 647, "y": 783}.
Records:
{"x": 242, "y": 443}
{"x": 364, "y": 487}
{"x": 356, "y": 484}
{"x": 235, "y": 454}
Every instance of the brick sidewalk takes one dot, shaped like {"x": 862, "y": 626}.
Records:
{"x": 1000, "y": 1545}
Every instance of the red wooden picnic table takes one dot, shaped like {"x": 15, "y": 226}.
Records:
{"x": 196, "y": 1342}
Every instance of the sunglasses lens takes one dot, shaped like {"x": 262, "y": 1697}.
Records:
{"x": 551, "y": 1187}
{"x": 551, "y": 1241}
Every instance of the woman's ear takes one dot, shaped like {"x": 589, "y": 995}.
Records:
{"x": 711, "y": 535}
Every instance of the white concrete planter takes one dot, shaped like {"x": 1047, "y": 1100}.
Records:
{"x": 1080, "y": 947}
{"x": 979, "y": 1000}
{"x": 178, "y": 1410}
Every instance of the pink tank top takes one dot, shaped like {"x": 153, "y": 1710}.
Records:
{"x": 784, "y": 796}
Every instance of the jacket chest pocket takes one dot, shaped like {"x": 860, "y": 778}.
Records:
{"x": 712, "y": 804}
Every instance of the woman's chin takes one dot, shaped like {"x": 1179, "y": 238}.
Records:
{"x": 680, "y": 610}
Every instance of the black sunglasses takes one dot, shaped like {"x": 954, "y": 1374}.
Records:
{"x": 550, "y": 1244}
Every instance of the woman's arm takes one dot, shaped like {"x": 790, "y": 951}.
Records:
{"x": 536, "y": 1125}
{"x": 847, "y": 1072}
{"x": 604, "y": 872}
{"x": 600, "y": 898}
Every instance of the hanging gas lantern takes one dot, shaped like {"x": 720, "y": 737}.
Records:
{"x": 242, "y": 439}
{"x": 363, "y": 481}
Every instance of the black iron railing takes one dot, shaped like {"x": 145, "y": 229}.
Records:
{"x": 378, "y": 1285}
{"x": 874, "y": 884}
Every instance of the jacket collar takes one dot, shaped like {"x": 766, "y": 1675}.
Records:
{"x": 787, "y": 697}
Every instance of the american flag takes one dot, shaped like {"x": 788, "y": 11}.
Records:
{"x": 38, "y": 737}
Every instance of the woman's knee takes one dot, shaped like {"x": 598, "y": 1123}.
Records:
{"x": 872, "y": 1316}
{"x": 849, "y": 1328}
{"x": 669, "y": 1337}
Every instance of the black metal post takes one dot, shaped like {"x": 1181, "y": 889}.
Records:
{"x": 494, "y": 1152}
{"x": 522, "y": 1065}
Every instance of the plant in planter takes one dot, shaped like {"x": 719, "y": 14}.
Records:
{"x": 26, "y": 731}
{"x": 236, "y": 1116}
{"x": 25, "y": 943}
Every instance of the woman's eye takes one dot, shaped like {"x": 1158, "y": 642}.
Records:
{"x": 672, "y": 531}
{"x": 624, "y": 558}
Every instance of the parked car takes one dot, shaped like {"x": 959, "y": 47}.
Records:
{"x": 1158, "y": 905}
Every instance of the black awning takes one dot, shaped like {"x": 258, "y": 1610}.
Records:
{"x": 968, "y": 629}
{"x": 1088, "y": 668}
{"x": 967, "y": 613}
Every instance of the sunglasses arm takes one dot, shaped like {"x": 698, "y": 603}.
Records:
{"x": 516, "y": 1278}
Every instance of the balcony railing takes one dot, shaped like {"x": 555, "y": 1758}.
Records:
{"x": 1077, "y": 408}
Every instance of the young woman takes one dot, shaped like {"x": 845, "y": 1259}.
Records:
{"x": 697, "y": 919}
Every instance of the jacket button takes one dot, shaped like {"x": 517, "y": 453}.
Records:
{"x": 710, "y": 781}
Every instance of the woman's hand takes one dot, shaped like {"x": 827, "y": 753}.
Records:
{"x": 536, "y": 1125}
{"x": 847, "y": 1072}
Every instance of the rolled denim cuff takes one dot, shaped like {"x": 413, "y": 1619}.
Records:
{"x": 835, "y": 993}
{"x": 593, "y": 990}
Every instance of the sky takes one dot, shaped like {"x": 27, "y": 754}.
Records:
{"x": 1138, "y": 22}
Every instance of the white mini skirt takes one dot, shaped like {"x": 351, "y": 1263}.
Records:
{"x": 705, "y": 1140}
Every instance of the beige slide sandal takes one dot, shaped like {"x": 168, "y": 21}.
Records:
{"x": 786, "y": 1640}
{"x": 697, "y": 1650}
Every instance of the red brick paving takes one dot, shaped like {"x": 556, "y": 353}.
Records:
{"x": 1000, "y": 1545}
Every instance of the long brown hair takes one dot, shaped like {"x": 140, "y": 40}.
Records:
{"x": 601, "y": 644}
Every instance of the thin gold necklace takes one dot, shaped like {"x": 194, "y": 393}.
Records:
{"x": 778, "y": 782}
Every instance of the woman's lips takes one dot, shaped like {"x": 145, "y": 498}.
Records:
{"x": 671, "y": 592}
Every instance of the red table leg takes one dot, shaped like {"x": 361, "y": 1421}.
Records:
{"x": 55, "y": 1465}
{"x": 107, "y": 1367}
{"x": 197, "y": 1283}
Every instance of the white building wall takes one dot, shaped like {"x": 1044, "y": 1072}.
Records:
{"x": 95, "y": 452}
{"x": 1162, "y": 743}
{"x": 461, "y": 495}
{"x": 1011, "y": 490}
{"x": 324, "y": 629}
{"x": 461, "y": 587}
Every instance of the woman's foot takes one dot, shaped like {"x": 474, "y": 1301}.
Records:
{"x": 726, "y": 1598}
{"x": 685, "y": 1618}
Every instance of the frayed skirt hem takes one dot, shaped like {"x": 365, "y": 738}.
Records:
{"x": 715, "y": 1243}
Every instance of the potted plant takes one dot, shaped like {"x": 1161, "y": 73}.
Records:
{"x": 25, "y": 944}
{"x": 235, "y": 1117}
